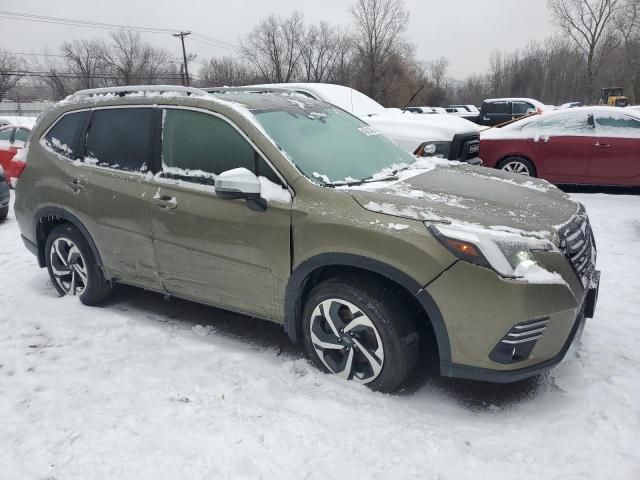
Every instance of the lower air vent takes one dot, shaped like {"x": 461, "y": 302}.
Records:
{"x": 518, "y": 343}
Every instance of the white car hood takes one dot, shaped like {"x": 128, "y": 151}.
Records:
{"x": 410, "y": 130}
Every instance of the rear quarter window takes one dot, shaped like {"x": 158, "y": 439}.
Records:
{"x": 62, "y": 138}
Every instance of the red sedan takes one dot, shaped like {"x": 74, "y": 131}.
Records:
{"x": 586, "y": 145}
{"x": 12, "y": 139}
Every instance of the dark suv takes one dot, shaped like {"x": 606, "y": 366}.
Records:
{"x": 495, "y": 111}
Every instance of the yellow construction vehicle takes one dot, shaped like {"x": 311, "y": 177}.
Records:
{"x": 614, "y": 97}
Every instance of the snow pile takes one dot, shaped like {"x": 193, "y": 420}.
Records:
{"x": 147, "y": 389}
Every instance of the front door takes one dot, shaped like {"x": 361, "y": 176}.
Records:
{"x": 208, "y": 248}
{"x": 564, "y": 146}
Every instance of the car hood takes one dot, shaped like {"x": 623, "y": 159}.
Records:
{"x": 418, "y": 128}
{"x": 461, "y": 193}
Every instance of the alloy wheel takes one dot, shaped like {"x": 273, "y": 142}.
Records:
{"x": 68, "y": 266}
{"x": 516, "y": 166}
{"x": 346, "y": 341}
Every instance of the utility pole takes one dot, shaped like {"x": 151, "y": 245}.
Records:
{"x": 184, "y": 55}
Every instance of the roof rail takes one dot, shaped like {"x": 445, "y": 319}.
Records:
{"x": 136, "y": 89}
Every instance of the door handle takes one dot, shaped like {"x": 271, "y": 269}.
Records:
{"x": 165, "y": 202}
{"x": 76, "y": 186}
{"x": 603, "y": 145}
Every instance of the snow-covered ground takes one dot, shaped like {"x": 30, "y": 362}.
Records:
{"x": 147, "y": 389}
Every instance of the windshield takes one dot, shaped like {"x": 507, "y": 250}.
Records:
{"x": 329, "y": 145}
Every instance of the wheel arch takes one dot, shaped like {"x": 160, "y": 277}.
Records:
{"x": 322, "y": 266}
{"x": 47, "y": 218}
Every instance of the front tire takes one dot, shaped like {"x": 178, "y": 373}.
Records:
{"x": 518, "y": 165}
{"x": 358, "y": 329}
{"x": 72, "y": 267}
{"x": 4, "y": 211}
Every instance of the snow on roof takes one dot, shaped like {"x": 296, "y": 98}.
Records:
{"x": 346, "y": 98}
{"x": 27, "y": 122}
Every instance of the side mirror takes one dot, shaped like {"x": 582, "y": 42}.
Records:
{"x": 240, "y": 183}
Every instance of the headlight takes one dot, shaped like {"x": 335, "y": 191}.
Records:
{"x": 435, "y": 149}
{"x": 504, "y": 252}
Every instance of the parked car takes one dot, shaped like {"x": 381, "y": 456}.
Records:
{"x": 496, "y": 111}
{"x": 294, "y": 211}
{"x": 28, "y": 122}
{"x": 424, "y": 135}
{"x": 583, "y": 145}
{"x": 427, "y": 110}
{"x": 4, "y": 196}
{"x": 12, "y": 139}
{"x": 468, "y": 112}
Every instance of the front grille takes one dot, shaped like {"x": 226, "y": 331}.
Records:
{"x": 578, "y": 244}
{"x": 465, "y": 146}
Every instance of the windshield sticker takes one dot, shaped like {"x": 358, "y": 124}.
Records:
{"x": 369, "y": 131}
{"x": 317, "y": 115}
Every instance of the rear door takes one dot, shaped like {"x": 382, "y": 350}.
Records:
{"x": 114, "y": 188}
{"x": 212, "y": 249}
{"x": 564, "y": 146}
{"x": 616, "y": 159}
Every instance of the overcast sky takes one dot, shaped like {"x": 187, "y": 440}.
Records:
{"x": 465, "y": 31}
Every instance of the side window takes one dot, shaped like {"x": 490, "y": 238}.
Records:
{"x": 197, "y": 146}
{"x": 618, "y": 125}
{"x": 521, "y": 108}
{"x": 21, "y": 137}
{"x": 5, "y": 135}
{"x": 121, "y": 138}
{"x": 63, "y": 137}
{"x": 498, "y": 107}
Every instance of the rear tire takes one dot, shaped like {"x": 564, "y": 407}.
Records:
{"x": 379, "y": 350}
{"x": 518, "y": 165}
{"x": 3, "y": 213}
{"x": 72, "y": 267}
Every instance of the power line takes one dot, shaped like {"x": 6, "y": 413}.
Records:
{"x": 110, "y": 26}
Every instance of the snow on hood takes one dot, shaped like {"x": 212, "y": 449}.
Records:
{"x": 409, "y": 127}
{"x": 463, "y": 194}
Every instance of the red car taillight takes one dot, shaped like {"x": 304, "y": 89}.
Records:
{"x": 15, "y": 170}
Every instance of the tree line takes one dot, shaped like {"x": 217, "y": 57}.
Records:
{"x": 597, "y": 44}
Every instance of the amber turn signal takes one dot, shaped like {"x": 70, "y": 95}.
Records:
{"x": 464, "y": 248}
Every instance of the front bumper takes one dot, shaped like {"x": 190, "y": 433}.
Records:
{"x": 449, "y": 369}
{"x": 481, "y": 309}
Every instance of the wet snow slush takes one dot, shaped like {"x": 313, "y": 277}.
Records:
{"x": 147, "y": 389}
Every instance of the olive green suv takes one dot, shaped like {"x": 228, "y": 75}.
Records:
{"x": 292, "y": 210}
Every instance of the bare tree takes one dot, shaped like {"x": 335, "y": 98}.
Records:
{"x": 273, "y": 47}
{"x": 227, "y": 71}
{"x": 10, "y": 72}
{"x": 590, "y": 23}
{"x": 628, "y": 26}
{"x": 323, "y": 48}
{"x": 129, "y": 60}
{"x": 85, "y": 57}
{"x": 379, "y": 25}
{"x": 438, "y": 70}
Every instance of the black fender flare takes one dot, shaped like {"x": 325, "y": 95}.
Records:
{"x": 60, "y": 213}
{"x": 296, "y": 284}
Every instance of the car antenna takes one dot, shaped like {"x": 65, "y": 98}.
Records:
{"x": 411, "y": 99}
